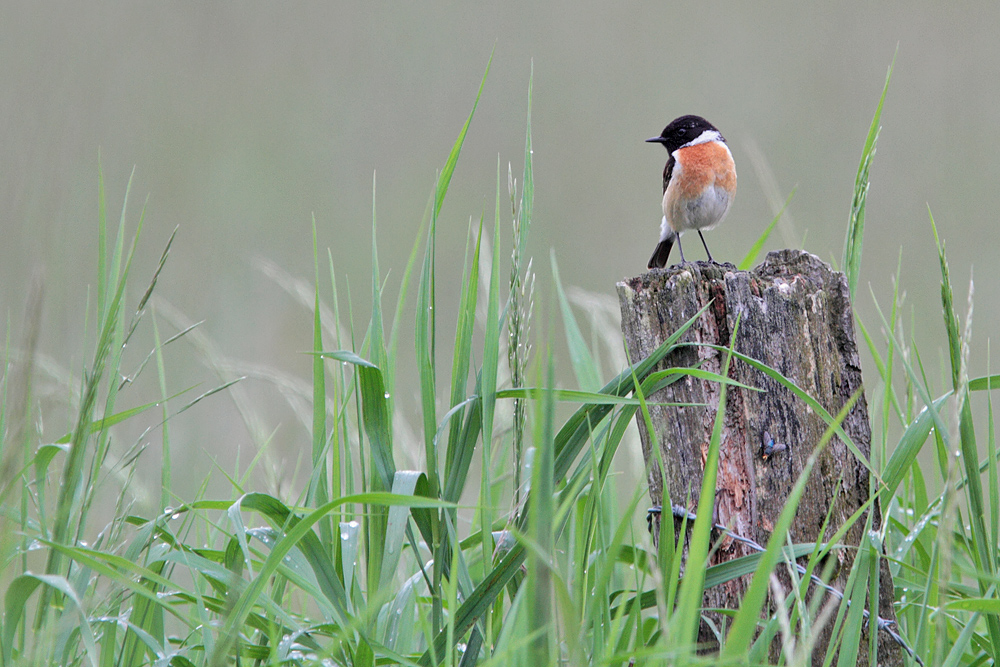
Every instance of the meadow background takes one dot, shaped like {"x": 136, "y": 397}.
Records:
{"x": 241, "y": 123}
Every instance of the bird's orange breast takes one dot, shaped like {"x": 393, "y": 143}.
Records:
{"x": 703, "y": 165}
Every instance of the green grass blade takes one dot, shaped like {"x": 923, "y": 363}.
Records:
{"x": 521, "y": 297}
{"x": 102, "y": 241}
{"x": 425, "y": 337}
{"x": 983, "y": 550}
{"x": 463, "y": 345}
{"x": 109, "y": 421}
{"x": 748, "y": 260}
{"x": 993, "y": 475}
{"x": 909, "y": 445}
{"x": 404, "y": 483}
{"x": 318, "y": 491}
{"x": 116, "y": 256}
{"x": 528, "y": 187}
{"x": 856, "y": 222}
{"x": 460, "y": 454}
{"x": 145, "y": 619}
{"x": 376, "y": 336}
{"x": 854, "y": 602}
{"x": 984, "y": 383}
{"x": 888, "y": 395}
{"x": 951, "y": 324}
{"x": 586, "y": 370}
{"x": 424, "y": 341}
{"x": 541, "y": 525}
{"x": 166, "y": 464}
{"x": 956, "y": 655}
{"x": 491, "y": 360}
{"x": 375, "y": 414}
{"x": 444, "y": 180}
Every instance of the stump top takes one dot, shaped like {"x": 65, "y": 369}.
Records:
{"x": 789, "y": 262}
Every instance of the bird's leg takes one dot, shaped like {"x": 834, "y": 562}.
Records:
{"x": 706, "y": 247}
{"x": 679, "y": 248}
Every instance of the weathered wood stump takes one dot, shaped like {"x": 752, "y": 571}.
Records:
{"x": 795, "y": 316}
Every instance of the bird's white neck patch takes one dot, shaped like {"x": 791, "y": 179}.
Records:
{"x": 704, "y": 138}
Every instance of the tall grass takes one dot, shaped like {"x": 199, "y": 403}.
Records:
{"x": 514, "y": 544}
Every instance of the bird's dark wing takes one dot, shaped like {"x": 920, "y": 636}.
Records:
{"x": 668, "y": 171}
{"x": 662, "y": 251}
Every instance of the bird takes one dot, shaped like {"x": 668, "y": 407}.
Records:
{"x": 699, "y": 183}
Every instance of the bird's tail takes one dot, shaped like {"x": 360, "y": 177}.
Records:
{"x": 662, "y": 252}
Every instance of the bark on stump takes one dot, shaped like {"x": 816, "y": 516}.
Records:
{"x": 795, "y": 316}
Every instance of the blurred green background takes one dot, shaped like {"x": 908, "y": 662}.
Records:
{"x": 242, "y": 120}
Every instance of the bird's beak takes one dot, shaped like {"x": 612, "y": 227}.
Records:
{"x": 656, "y": 140}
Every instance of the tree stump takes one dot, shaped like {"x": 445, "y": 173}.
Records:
{"x": 796, "y": 317}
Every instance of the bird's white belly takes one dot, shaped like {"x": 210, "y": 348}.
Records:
{"x": 702, "y": 212}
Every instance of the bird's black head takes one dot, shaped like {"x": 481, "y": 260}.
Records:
{"x": 681, "y": 131}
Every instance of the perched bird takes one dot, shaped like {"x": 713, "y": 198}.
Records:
{"x": 699, "y": 183}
